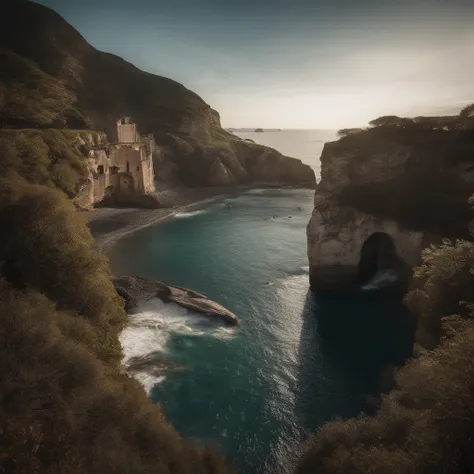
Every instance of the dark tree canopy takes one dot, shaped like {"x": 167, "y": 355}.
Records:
{"x": 467, "y": 111}
{"x": 344, "y": 132}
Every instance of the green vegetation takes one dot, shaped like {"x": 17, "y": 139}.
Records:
{"x": 425, "y": 425}
{"x": 348, "y": 131}
{"x": 442, "y": 286}
{"x": 467, "y": 112}
{"x": 421, "y": 150}
{"x": 55, "y": 79}
{"x": 65, "y": 406}
{"x": 30, "y": 96}
{"x": 463, "y": 121}
{"x": 54, "y": 158}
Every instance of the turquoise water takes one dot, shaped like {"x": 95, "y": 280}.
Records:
{"x": 295, "y": 362}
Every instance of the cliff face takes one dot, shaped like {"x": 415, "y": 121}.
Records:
{"x": 50, "y": 77}
{"x": 223, "y": 159}
{"x": 383, "y": 193}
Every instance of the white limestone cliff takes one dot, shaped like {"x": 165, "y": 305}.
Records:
{"x": 337, "y": 234}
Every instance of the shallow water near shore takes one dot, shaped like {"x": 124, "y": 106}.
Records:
{"x": 295, "y": 362}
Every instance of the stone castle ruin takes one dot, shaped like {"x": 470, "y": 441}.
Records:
{"x": 121, "y": 171}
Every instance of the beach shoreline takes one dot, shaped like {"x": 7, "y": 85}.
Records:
{"x": 110, "y": 224}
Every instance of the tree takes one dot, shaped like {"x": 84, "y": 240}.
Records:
{"x": 467, "y": 111}
{"x": 386, "y": 120}
{"x": 348, "y": 131}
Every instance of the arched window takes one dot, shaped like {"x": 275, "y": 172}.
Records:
{"x": 100, "y": 169}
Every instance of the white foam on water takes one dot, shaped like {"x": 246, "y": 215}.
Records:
{"x": 148, "y": 381}
{"x": 381, "y": 279}
{"x": 305, "y": 269}
{"x": 150, "y": 328}
{"x": 189, "y": 214}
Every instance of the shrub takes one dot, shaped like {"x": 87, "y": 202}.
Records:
{"x": 348, "y": 131}
{"x": 61, "y": 412}
{"x": 442, "y": 285}
{"x": 425, "y": 426}
{"x": 65, "y": 406}
{"x": 48, "y": 157}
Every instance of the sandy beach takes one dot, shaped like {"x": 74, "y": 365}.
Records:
{"x": 108, "y": 224}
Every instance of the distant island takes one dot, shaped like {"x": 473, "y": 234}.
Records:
{"x": 259, "y": 130}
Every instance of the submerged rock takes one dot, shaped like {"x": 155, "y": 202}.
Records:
{"x": 135, "y": 289}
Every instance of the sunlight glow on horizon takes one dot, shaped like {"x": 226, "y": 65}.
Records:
{"x": 327, "y": 65}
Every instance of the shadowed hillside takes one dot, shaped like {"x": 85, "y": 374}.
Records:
{"x": 88, "y": 87}
{"x": 50, "y": 77}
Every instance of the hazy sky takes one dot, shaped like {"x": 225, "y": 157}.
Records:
{"x": 295, "y": 63}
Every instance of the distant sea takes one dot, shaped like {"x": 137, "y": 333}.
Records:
{"x": 295, "y": 362}
{"x": 306, "y": 145}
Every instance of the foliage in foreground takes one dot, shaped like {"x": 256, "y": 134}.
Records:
{"x": 54, "y": 158}
{"x": 427, "y": 424}
{"x": 65, "y": 406}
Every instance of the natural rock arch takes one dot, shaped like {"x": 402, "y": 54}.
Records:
{"x": 378, "y": 252}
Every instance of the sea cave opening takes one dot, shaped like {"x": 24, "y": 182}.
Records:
{"x": 378, "y": 253}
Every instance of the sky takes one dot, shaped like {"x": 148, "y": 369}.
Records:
{"x": 298, "y": 64}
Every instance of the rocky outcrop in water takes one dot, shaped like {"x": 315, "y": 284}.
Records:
{"x": 384, "y": 192}
{"x": 136, "y": 289}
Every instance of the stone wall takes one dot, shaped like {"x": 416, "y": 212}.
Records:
{"x": 126, "y": 132}
{"x": 117, "y": 169}
{"x": 136, "y": 162}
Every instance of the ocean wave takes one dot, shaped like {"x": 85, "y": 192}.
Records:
{"x": 190, "y": 214}
{"x": 145, "y": 338}
{"x": 381, "y": 279}
{"x": 148, "y": 381}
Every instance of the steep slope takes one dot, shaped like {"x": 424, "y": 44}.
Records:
{"x": 402, "y": 181}
{"x": 50, "y": 77}
{"x": 65, "y": 404}
{"x": 392, "y": 183}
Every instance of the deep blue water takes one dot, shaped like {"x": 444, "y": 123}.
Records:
{"x": 295, "y": 362}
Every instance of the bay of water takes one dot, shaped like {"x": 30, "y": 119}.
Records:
{"x": 295, "y": 362}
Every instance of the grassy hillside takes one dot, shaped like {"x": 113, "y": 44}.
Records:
{"x": 51, "y": 157}
{"x": 51, "y": 77}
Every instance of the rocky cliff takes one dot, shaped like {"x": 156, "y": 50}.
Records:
{"x": 50, "y": 77}
{"x": 384, "y": 192}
